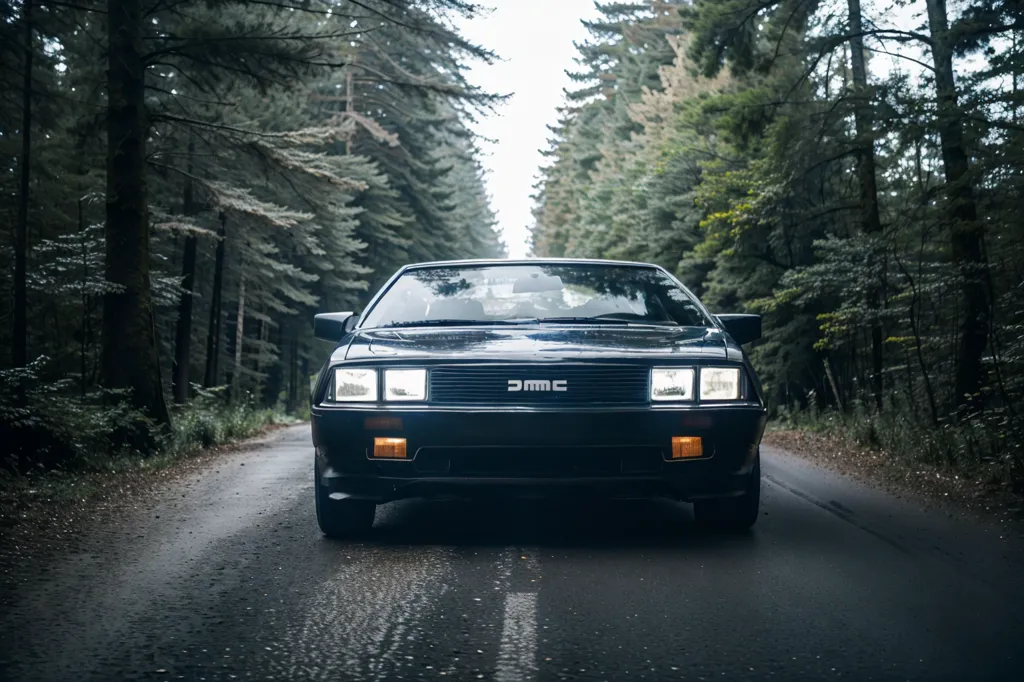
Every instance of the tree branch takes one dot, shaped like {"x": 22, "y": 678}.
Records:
{"x": 71, "y": 5}
{"x": 178, "y": 49}
{"x": 213, "y": 126}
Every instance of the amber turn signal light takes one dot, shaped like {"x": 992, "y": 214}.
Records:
{"x": 389, "y": 448}
{"x": 684, "y": 447}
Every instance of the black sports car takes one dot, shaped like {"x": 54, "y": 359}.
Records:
{"x": 536, "y": 377}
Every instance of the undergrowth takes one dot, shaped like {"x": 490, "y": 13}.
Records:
{"x": 989, "y": 445}
{"x": 45, "y": 426}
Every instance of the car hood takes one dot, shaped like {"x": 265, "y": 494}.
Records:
{"x": 540, "y": 342}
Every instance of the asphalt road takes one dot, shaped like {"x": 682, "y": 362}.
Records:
{"x": 225, "y": 576}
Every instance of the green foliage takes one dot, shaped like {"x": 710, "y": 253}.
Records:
{"x": 44, "y": 424}
{"x": 208, "y": 421}
{"x": 738, "y": 168}
{"x": 296, "y": 156}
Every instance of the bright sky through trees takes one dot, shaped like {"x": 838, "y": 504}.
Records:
{"x": 535, "y": 40}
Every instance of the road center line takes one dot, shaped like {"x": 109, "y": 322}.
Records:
{"x": 517, "y": 656}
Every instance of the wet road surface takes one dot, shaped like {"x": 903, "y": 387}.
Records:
{"x": 225, "y": 576}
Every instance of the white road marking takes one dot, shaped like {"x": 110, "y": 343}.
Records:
{"x": 517, "y": 656}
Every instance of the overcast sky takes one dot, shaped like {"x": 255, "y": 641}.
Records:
{"x": 535, "y": 39}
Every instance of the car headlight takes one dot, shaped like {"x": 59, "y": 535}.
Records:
{"x": 671, "y": 383}
{"x": 405, "y": 384}
{"x": 355, "y": 385}
{"x": 719, "y": 383}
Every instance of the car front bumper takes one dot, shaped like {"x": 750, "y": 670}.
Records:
{"x": 529, "y": 452}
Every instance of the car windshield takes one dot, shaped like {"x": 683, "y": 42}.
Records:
{"x": 570, "y": 293}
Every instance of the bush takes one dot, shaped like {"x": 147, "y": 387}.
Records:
{"x": 209, "y": 421}
{"x": 45, "y": 424}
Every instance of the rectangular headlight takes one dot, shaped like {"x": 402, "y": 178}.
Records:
{"x": 672, "y": 383}
{"x": 355, "y": 385}
{"x": 719, "y": 383}
{"x": 405, "y": 384}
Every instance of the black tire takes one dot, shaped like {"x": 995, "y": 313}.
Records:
{"x": 732, "y": 513}
{"x": 341, "y": 518}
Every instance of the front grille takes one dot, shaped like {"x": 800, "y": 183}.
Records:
{"x": 539, "y": 462}
{"x": 593, "y": 384}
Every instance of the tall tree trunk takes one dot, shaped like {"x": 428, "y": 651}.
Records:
{"x": 866, "y": 179}
{"x": 834, "y": 386}
{"x": 273, "y": 389}
{"x": 306, "y": 387}
{"x": 129, "y": 355}
{"x": 86, "y": 332}
{"x": 183, "y": 329}
{"x": 967, "y": 230}
{"x": 213, "y": 330}
{"x": 236, "y": 371}
{"x": 293, "y": 369}
{"x": 19, "y": 346}
{"x": 348, "y": 109}
{"x": 261, "y": 384}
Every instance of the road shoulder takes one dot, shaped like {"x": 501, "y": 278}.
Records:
{"x": 948, "y": 492}
{"x": 37, "y": 525}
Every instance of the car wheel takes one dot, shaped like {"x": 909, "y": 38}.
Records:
{"x": 732, "y": 513}
{"x": 341, "y": 518}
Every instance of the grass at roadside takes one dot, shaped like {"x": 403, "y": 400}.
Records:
{"x": 970, "y": 466}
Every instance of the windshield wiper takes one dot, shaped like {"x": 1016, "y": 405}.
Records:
{"x": 450, "y": 322}
{"x": 604, "y": 320}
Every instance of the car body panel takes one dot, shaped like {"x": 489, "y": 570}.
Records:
{"x": 542, "y": 340}
{"x": 731, "y": 436}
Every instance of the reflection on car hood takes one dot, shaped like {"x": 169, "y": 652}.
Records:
{"x": 540, "y": 342}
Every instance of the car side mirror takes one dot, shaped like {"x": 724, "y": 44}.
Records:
{"x": 333, "y": 326}
{"x": 742, "y": 328}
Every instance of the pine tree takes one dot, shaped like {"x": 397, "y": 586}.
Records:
{"x": 851, "y": 207}
{"x": 241, "y": 193}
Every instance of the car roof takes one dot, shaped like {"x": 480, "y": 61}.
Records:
{"x": 527, "y": 261}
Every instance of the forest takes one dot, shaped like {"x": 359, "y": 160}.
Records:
{"x": 849, "y": 169}
{"x": 186, "y": 183}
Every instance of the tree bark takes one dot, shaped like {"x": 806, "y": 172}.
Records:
{"x": 213, "y": 330}
{"x": 967, "y": 231}
{"x": 293, "y": 372}
{"x": 129, "y": 356}
{"x": 273, "y": 390}
{"x": 871, "y": 220}
{"x": 833, "y": 385}
{"x": 86, "y": 332}
{"x": 236, "y": 371}
{"x": 183, "y": 329}
{"x": 306, "y": 388}
{"x": 348, "y": 108}
{"x": 19, "y": 346}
